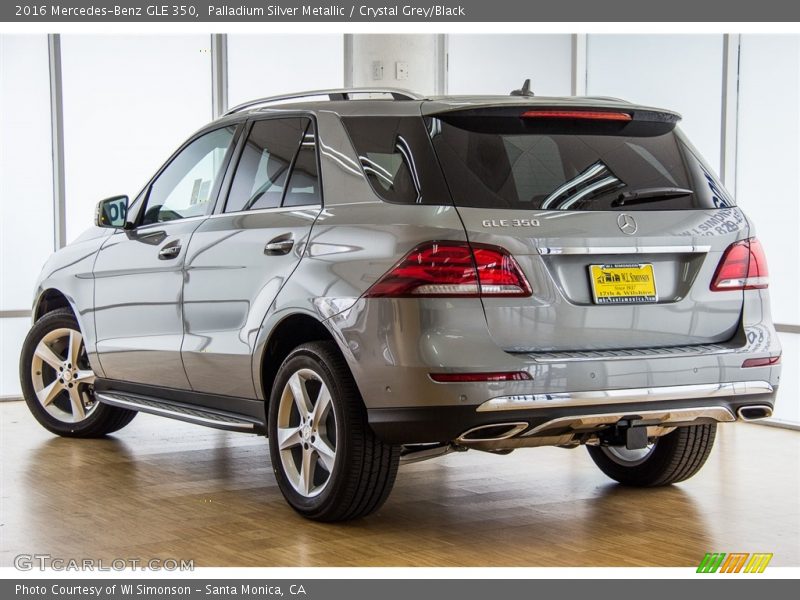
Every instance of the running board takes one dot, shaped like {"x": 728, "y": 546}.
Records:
{"x": 181, "y": 412}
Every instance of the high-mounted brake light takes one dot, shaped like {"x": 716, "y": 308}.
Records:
{"x": 743, "y": 267}
{"x": 590, "y": 115}
{"x": 453, "y": 269}
{"x": 475, "y": 377}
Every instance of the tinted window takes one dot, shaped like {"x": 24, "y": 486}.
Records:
{"x": 276, "y": 151}
{"x": 185, "y": 187}
{"x": 303, "y": 185}
{"x": 505, "y": 162}
{"x": 397, "y": 159}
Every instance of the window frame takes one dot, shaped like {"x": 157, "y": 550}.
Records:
{"x": 139, "y": 205}
{"x": 233, "y": 165}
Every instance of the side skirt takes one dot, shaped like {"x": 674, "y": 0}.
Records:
{"x": 221, "y": 412}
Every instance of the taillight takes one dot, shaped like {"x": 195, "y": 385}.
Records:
{"x": 453, "y": 269}
{"x": 743, "y": 267}
{"x": 592, "y": 115}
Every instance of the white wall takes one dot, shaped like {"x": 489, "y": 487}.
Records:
{"x": 129, "y": 102}
{"x": 26, "y": 176}
{"x": 681, "y": 72}
{"x": 497, "y": 64}
{"x": 26, "y": 187}
{"x": 768, "y": 183}
{"x": 768, "y": 160}
{"x": 419, "y": 51}
{"x": 272, "y": 64}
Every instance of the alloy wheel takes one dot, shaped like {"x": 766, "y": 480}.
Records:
{"x": 628, "y": 458}
{"x": 306, "y": 433}
{"x": 62, "y": 377}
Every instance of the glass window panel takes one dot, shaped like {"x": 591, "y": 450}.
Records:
{"x": 185, "y": 187}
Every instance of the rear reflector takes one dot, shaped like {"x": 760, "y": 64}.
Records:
{"x": 473, "y": 377}
{"x": 743, "y": 267}
{"x": 453, "y": 269}
{"x": 764, "y": 361}
{"x": 591, "y": 115}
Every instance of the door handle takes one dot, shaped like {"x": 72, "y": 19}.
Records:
{"x": 169, "y": 252}
{"x": 278, "y": 246}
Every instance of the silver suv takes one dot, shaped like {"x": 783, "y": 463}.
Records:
{"x": 369, "y": 277}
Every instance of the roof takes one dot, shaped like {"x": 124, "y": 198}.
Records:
{"x": 405, "y": 103}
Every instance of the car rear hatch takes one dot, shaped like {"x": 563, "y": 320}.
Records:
{"x": 614, "y": 219}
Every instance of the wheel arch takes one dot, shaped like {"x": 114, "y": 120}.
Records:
{"x": 52, "y": 298}
{"x": 287, "y": 334}
{"x": 49, "y": 300}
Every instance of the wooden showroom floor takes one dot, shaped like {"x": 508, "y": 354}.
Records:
{"x": 163, "y": 489}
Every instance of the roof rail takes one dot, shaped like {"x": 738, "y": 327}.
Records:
{"x": 332, "y": 94}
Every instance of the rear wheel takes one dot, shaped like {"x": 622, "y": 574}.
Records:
{"x": 328, "y": 463}
{"x": 674, "y": 457}
{"x": 58, "y": 381}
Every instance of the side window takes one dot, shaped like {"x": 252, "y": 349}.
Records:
{"x": 184, "y": 187}
{"x": 303, "y": 185}
{"x": 397, "y": 158}
{"x": 277, "y": 151}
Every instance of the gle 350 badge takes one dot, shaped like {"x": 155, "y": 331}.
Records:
{"x": 510, "y": 222}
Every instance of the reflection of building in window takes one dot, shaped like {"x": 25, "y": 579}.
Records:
{"x": 596, "y": 179}
{"x": 394, "y": 172}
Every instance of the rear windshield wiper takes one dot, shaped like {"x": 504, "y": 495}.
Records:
{"x": 647, "y": 194}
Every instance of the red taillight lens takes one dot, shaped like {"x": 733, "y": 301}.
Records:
{"x": 453, "y": 269}
{"x": 764, "y": 361}
{"x": 591, "y": 115}
{"x": 743, "y": 267}
{"x": 473, "y": 377}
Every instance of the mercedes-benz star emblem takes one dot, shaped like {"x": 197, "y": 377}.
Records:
{"x": 627, "y": 224}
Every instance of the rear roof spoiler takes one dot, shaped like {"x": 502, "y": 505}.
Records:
{"x": 517, "y": 106}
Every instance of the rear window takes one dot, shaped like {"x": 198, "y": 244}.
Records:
{"x": 544, "y": 164}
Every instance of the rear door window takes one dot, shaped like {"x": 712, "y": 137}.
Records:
{"x": 277, "y": 167}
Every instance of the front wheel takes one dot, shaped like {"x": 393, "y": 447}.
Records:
{"x": 328, "y": 463}
{"x": 674, "y": 457}
{"x": 58, "y": 382}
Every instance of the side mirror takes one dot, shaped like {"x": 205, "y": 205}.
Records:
{"x": 112, "y": 212}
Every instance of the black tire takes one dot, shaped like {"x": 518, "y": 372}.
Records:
{"x": 364, "y": 468}
{"x": 102, "y": 420}
{"x": 675, "y": 457}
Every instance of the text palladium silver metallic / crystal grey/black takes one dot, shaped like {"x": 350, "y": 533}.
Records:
{"x": 370, "y": 276}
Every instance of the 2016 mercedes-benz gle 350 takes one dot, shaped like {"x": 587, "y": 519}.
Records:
{"x": 369, "y": 277}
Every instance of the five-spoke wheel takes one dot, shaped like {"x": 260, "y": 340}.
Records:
{"x": 328, "y": 463}
{"x": 307, "y": 432}
{"x": 58, "y": 380}
{"x": 62, "y": 377}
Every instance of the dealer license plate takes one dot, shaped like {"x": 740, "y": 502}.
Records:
{"x": 623, "y": 284}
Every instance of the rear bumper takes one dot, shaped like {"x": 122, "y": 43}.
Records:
{"x": 569, "y": 414}
{"x": 394, "y": 345}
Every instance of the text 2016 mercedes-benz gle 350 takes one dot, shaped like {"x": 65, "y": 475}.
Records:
{"x": 372, "y": 278}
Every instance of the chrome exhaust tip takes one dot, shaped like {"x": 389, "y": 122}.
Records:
{"x": 491, "y": 433}
{"x": 754, "y": 412}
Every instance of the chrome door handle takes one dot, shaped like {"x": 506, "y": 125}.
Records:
{"x": 169, "y": 252}
{"x": 278, "y": 247}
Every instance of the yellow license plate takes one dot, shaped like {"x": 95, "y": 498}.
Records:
{"x": 623, "y": 284}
